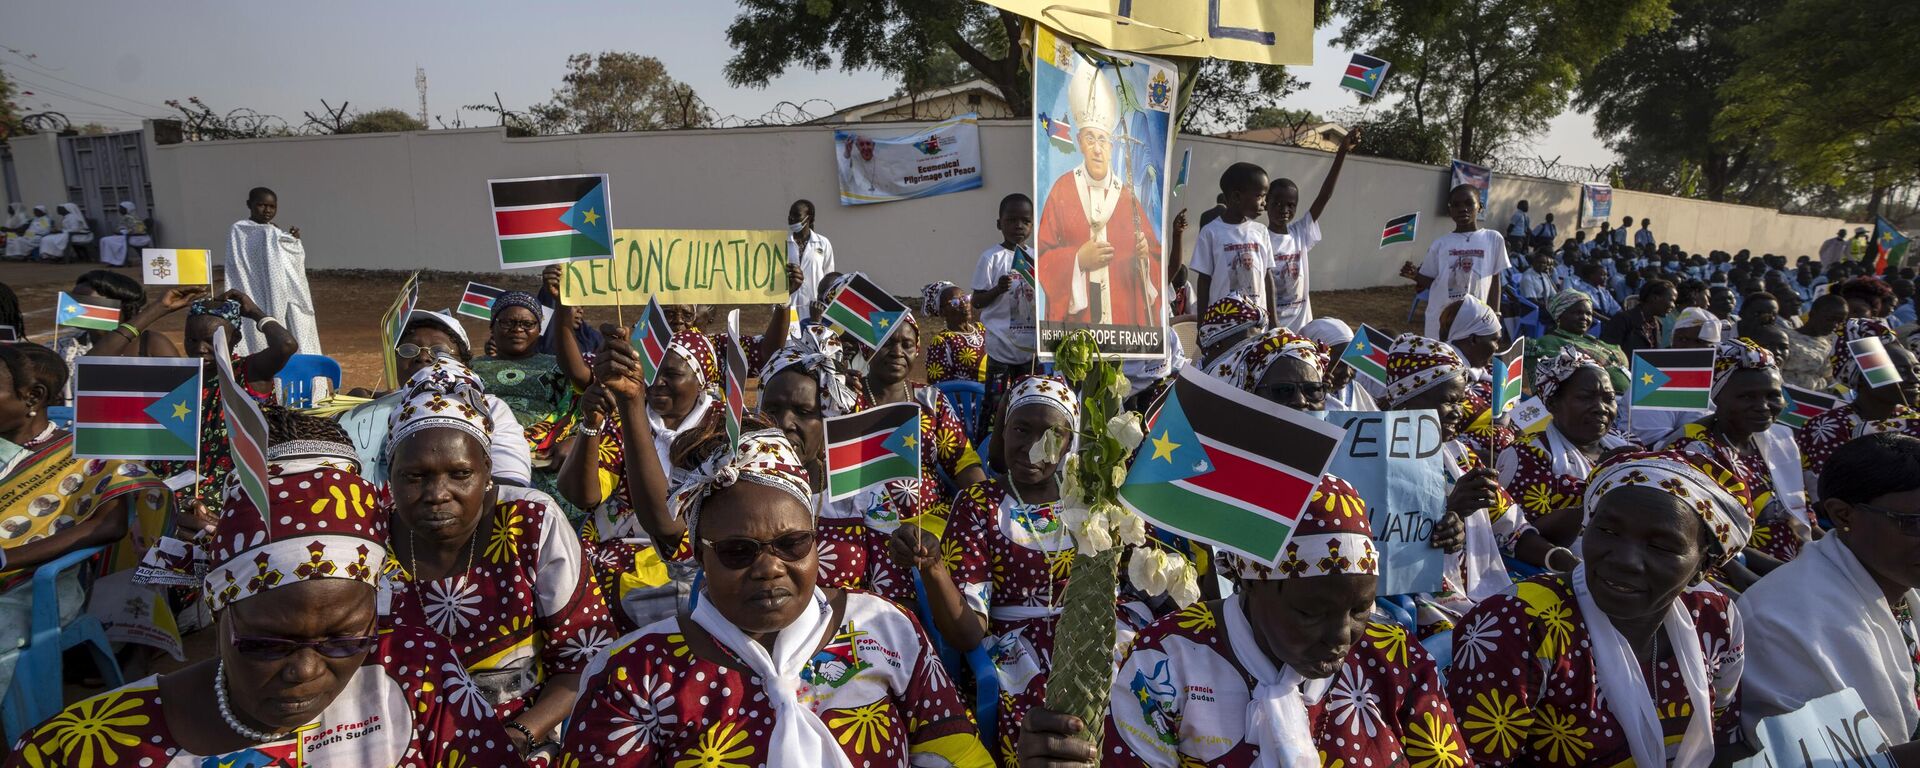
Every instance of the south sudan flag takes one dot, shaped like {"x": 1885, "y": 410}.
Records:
{"x": 477, "y": 301}
{"x": 1400, "y": 230}
{"x": 1367, "y": 354}
{"x": 1803, "y": 405}
{"x": 651, "y": 337}
{"x": 551, "y": 219}
{"x": 1364, "y": 75}
{"x": 1875, "y": 366}
{"x": 1228, "y": 468}
{"x": 139, "y": 408}
{"x": 1889, "y": 244}
{"x": 863, "y": 311}
{"x": 1509, "y": 370}
{"x": 92, "y": 312}
{"x": 871, "y": 448}
{"x": 1672, "y": 380}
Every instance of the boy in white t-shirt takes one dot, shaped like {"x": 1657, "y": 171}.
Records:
{"x": 1292, "y": 239}
{"x": 1468, "y": 260}
{"x": 1005, "y": 299}
{"x": 1233, "y": 253}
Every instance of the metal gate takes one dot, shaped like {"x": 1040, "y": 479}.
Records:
{"x": 104, "y": 170}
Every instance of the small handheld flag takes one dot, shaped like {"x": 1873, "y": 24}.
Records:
{"x": 1875, "y": 365}
{"x": 551, "y": 219}
{"x": 1889, "y": 244}
{"x": 1367, "y": 353}
{"x": 1529, "y": 416}
{"x": 1672, "y": 380}
{"x": 1186, "y": 165}
{"x": 1401, "y": 229}
{"x": 736, "y": 376}
{"x": 171, "y": 266}
{"x": 1509, "y": 372}
{"x": 477, "y": 301}
{"x": 1803, "y": 405}
{"x": 139, "y": 408}
{"x": 1023, "y": 266}
{"x": 246, "y": 430}
{"x": 864, "y": 312}
{"x": 394, "y": 322}
{"x": 1228, "y": 468}
{"x": 1365, "y": 74}
{"x": 96, "y": 313}
{"x": 871, "y": 448}
{"x": 651, "y": 337}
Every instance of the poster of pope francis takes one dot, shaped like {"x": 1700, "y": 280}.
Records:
{"x": 1103, "y": 124}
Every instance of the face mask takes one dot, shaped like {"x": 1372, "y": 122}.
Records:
{"x": 795, "y": 228}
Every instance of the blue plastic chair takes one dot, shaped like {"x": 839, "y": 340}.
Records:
{"x": 986, "y": 676}
{"x": 38, "y": 677}
{"x": 968, "y": 399}
{"x": 1419, "y": 300}
{"x": 295, "y": 380}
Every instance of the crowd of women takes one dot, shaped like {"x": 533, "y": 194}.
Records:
{"x": 547, "y": 559}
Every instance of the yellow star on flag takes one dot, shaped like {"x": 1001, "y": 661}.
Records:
{"x": 1163, "y": 447}
{"x": 591, "y": 217}
{"x": 1646, "y": 378}
{"x": 885, "y": 322}
{"x": 180, "y": 411}
{"x": 910, "y": 442}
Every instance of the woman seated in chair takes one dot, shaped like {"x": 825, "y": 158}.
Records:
{"x": 132, "y": 233}
{"x": 66, "y": 504}
{"x": 958, "y": 353}
{"x": 74, "y": 230}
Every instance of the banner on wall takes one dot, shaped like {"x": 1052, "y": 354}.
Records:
{"x": 683, "y": 266}
{"x": 1596, "y": 204}
{"x": 1393, "y": 459}
{"x": 941, "y": 159}
{"x": 1102, "y": 145}
{"x": 1479, "y": 177}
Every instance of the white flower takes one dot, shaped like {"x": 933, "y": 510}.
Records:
{"x": 651, "y": 707}
{"x": 1118, "y": 385}
{"x": 585, "y": 645}
{"x": 1472, "y": 643}
{"x": 1047, "y": 448}
{"x": 1353, "y": 702}
{"x": 462, "y": 693}
{"x": 450, "y": 606}
{"x": 1094, "y": 534}
{"x": 1129, "y": 527}
{"x": 1125, "y": 428}
{"x": 1184, "y": 585}
{"x": 1119, "y": 475}
{"x": 1144, "y": 570}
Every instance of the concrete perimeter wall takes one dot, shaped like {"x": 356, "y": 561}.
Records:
{"x": 419, "y": 200}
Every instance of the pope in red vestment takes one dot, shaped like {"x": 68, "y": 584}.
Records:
{"x": 1099, "y": 260}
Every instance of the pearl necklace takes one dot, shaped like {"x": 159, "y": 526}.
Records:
{"x": 226, "y": 710}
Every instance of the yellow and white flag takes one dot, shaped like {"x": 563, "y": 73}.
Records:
{"x": 169, "y": 266}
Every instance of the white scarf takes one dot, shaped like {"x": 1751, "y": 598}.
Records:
{"x": 1479, "y": 563}
{"x": 1277, "y": 715}
{"x": 1625, "y": 689}
{"x": 799, "y": 739}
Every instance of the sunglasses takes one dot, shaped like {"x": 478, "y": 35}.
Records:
{"x": 741, "y": 552}
{"x": 1907, "y": 525}
{"x": 276, "y": 648}
{"x": 1286, "y": 391}
{"x": 411, "y": 351}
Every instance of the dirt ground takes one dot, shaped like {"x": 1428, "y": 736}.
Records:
{"x": 349, "y": 305}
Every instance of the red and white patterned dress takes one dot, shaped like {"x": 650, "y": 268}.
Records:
{"x": 854, "y": 532}
{"x": 957, "y": 356}
{"x": 654, "y": 701}
{"x": 1181, "y": 699}
{"x": 528, "y": 610}
{"x": 410, "y": 705}
{"x": 1524, "y": 684}
{"x": 1825, "y": 433}
{"x": 1773, "y": 533}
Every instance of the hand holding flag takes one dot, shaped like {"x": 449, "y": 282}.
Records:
{"x": 96, "y": 313}
{"x": 1509, "y": 373}
{"x": 1365, "y": 74}
{"x": 652, "y": 335}
{"x": 170, "y": 266}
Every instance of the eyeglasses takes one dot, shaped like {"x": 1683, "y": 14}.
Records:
{"x": 411, "y": 351}
{"x": 517, "y": 326}
{"x": 741, "y": 552}
{"x": 276, "y": 648}
{"x": 1286, "y": 391}
{"x": 1907, "y": 525}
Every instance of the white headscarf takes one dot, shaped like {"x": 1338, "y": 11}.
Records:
{"x": 1695, "y": 317}
{"x": 1474, "y": 318}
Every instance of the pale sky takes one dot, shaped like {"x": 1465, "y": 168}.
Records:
{"x": 115, "y": 62}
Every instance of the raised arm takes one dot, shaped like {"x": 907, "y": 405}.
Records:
{"x": 127, "y": 336}
{"x": 281, "y": 345}
{"x": 1333, "y": 174}
{"x": 619, "y": 372}
{"x": 567, "y": 347}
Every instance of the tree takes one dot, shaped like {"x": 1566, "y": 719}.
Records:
{"x": 1655, "y": 101}
{"x": 1491, "y": 71}
{"x": 382, "y": 121}
{"x": 1830, "y": 84}
{"x": 616, "y": 92}
{"x": 9, "y": 111}
{"x": 918, "y": 40}
{"x": 1396, "y": 134}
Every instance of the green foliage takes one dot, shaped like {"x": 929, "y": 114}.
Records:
{"x": 615, "y": 92}
{"x": 1281, "y": 117}
{"x": 1491, "y": 71}
{"x": 1399, "y": 135}
{"x": 1655, "y": 100}
{"x": 382, "y": 121}
{"x": 1830, "y": 84}
{"x": 9, "y": 111}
